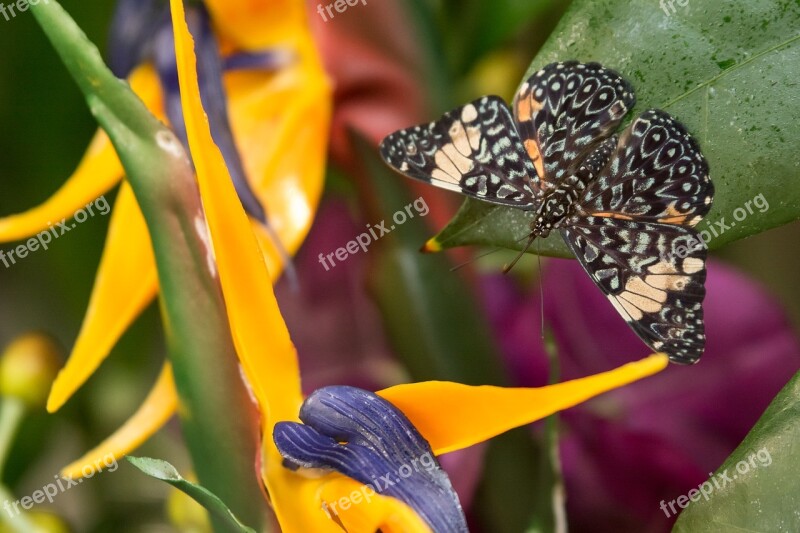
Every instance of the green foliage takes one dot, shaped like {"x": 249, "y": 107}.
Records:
{"x": 728, "y": 72}
{"x": 164, "y": 471}
{"x": 758, "y": 491}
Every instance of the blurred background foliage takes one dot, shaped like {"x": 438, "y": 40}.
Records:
{"x": 471, "y": 48}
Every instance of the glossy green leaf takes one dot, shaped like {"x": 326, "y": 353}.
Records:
{"x": 727, "y": 70}
{"x": 164, "y": 471}
{"x": 204, "y": 361}
{"x": 756, "y": 488}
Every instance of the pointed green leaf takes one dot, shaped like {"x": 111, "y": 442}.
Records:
{"x": 756, "y": 488}
{"x": 164, "y": 471}
{"x": 727, "y": 70}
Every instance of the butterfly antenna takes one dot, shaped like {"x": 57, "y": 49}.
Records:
{"x": 541, "y": 283}
{"x": 472, "y": 260}
{"x": 509, "y": 266}
{"x": 490, "y": 252}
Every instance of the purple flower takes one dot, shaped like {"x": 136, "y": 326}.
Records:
{"x": 625, "y": 452}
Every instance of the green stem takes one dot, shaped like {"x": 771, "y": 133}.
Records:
{"x": 18, "y": 523}
{"x": 12, "y": 411}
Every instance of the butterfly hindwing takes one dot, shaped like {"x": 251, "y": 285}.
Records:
{"x": 474, "y": 149}
{"x": 654, "y": 276}
{"x": 564, "y": 111}
{"x": 657, "y": 174}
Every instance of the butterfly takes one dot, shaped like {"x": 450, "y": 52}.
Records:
{"x": 625, "y": 204}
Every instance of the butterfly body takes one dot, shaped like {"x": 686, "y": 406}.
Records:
{"x": 625, "y": 205}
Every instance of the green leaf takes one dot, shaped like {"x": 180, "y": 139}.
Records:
{"x": 762, "y": 494}
{"x": 727, "y": 70}
{"x": 201, "y": 349}
{"x": 164, "y": 471}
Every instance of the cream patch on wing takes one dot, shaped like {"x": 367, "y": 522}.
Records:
{"x": 692, "y": 265}
{"x": 452, "y": 160}
{"x": 645, "y": 288}
{"x": 626, "y": 309}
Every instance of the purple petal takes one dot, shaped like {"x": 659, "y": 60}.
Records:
{"x": 132, "y": 27}
{"x": 360, "y": 435}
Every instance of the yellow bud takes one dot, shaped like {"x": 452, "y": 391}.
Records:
{"x": 497, "y": 73}
{"x": 28, "y": 367}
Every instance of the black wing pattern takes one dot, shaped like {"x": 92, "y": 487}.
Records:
{"x": 653, "y": 274}
{"x": 564, "y": 111}
{"x": 474, "y": 150}
{"x": 632, "y": 233}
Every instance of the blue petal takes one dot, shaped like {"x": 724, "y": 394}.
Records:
{"x": 132, "y": 27}
{"x": 269, "y": 60}
{"x": 360, "y": 435}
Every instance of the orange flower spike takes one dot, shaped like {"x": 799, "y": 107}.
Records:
{"x": 465, "y": 415}
{"x": 126, "y": 283}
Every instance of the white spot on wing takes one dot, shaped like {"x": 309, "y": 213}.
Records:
{"x": 469, "y": 113}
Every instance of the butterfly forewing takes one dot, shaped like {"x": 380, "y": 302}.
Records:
{"x": 657, "y": 174}
{"x": 564, "y": 111}
{"x": 473, "y": 149}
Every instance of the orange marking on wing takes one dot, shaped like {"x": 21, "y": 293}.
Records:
{"x": 674, "y": 220}
{"x": 675, "y": 216}
{"x": 526, "y": 107}
{"x": 533, "y": 152}
{"x": 619, "y": 216}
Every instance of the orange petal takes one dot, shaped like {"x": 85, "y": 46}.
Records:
{"x": 303, "y": 507}
{"x": 156, "y": 410}
{"x": 271, "y": 366}
{"x": 452, "y": 416}
{"x": 360, "y": 509}
{"x": 281, "y": 125}
{"x": 98, "y": 171}
{"x": 126, "y": 283}
{"x": 255, "y": 24}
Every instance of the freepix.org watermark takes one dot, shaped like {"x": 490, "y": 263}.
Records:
{"x": 45, "y": 237}
{"x": 62, "y": 484}
{"x": 363, "y": 241}
{"x": 340, "y": 6}
{"x": 9, "y": 11}
{"x": 718, "y": 481}
{"x": 669, "y": 5}
{"x": 368, "y": 491}
{"x": 720, "y": 226}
